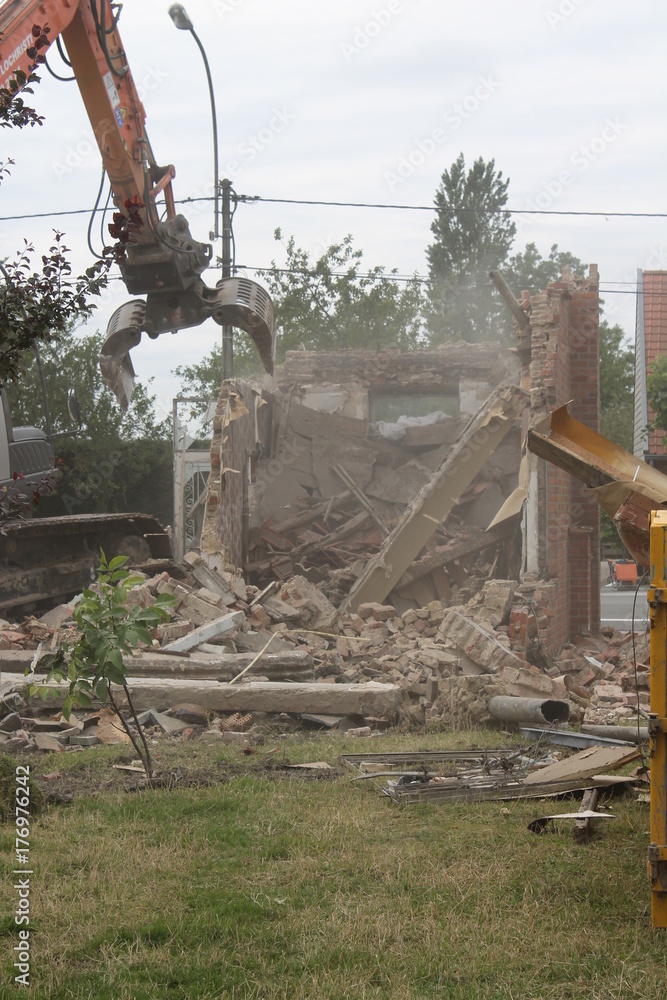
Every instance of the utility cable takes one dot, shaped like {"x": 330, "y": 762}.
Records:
{"x": 92, "y": 216}
{"x": 250, "y": 199}
{"x": 255, "y": 199}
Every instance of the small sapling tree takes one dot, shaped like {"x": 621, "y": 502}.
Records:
{"x": 106, "y": 631}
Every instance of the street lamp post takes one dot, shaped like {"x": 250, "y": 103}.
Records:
{"x": 179, "y": 16}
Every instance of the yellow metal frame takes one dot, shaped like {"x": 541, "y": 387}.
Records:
{"x": 657, "y": 598}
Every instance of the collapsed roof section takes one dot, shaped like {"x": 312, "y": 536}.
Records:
{"x": 314, "y": 470}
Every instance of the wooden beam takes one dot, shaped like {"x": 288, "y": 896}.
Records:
{"x": 480, "y": 438}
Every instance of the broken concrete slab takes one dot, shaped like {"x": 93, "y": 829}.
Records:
{"x": 208, "y": 577}
{"x": 217, "y": 627}
{"x": 166, "y": 722}
{"x": 11, "y": 723}
{"x": 296, "y": 665}
{"x": 56, "y": 616}
{"x": 399, "y": 485}
{"x": 85, "y": 740}
{"x": 433, "y": 503}
{"x": 199, "y": 612}
{"x": 252, "y": 642}
{"x": 366, "y": 699}
{"x": 47, "y": 742}
{"x": 279, "y": 610}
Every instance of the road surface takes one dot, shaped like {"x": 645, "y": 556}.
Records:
{"x": 616, "y": 608}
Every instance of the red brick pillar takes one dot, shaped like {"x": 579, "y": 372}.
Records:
{"x": 584, "y": 540}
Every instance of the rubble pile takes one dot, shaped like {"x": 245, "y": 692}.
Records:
{"x": 328, "y": 483}
{"x": 601, "y": 669}
{"x": 330, "y": 541}
{"x": 231, "y": 650}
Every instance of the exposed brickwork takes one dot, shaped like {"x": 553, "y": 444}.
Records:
{"x": 563, "y": 366}
{"x": 237, "y": 426}
{"x": 393, "y": 369}
{"x": 655, "y": 340}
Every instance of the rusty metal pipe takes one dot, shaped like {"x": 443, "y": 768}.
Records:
{"x": 518, "y": 710}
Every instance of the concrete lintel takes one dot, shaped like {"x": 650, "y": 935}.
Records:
{"x": 372, "y": 698}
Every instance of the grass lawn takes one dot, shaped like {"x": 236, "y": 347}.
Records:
{"x": 251, "y": 882}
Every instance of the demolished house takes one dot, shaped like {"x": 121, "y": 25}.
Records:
{"x": 313, "y": 471}
{"x": 379, "y": 546}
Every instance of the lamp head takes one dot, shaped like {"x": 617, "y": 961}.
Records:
{"x": 179, "y": 16}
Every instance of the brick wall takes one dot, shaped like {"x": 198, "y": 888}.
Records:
{"x": 241, "y": 430}
{"x": 654, "y": 304}
{"x": 393, "y": 369}
{"x": 564, "y": 366}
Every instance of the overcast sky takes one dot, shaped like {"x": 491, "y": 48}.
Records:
{"x": 370, "y": 102}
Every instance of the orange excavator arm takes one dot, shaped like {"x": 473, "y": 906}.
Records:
{"x": 164, "y": 263}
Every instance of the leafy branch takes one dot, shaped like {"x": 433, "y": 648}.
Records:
{"x": 14, "y": 112}
{"x": 42, "y": 304}
{"x": 107, "y": 632}
{"x": 20, "y": 498}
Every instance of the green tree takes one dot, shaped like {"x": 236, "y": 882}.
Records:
{"x": 472, "y": 236}
{"x": 107, "y": 631}
{"x": 617, "y": 385}
{"x": 656, "y": 392}
{"x": 323, "y": 304}
{"x": 333, "y": 302}
{"x": 529, "y": 271}
{"x": 115, "y": 460}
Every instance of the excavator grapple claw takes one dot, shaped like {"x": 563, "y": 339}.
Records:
{"x": 234, "y": 301}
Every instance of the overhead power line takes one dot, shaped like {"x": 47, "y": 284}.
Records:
{"x": 249, "y": 199}
{"x": 414, "y": 277}
{"x": 255, "y": 199}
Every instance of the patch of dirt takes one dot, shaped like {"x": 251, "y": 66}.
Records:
{"x": 177, "y": 764}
